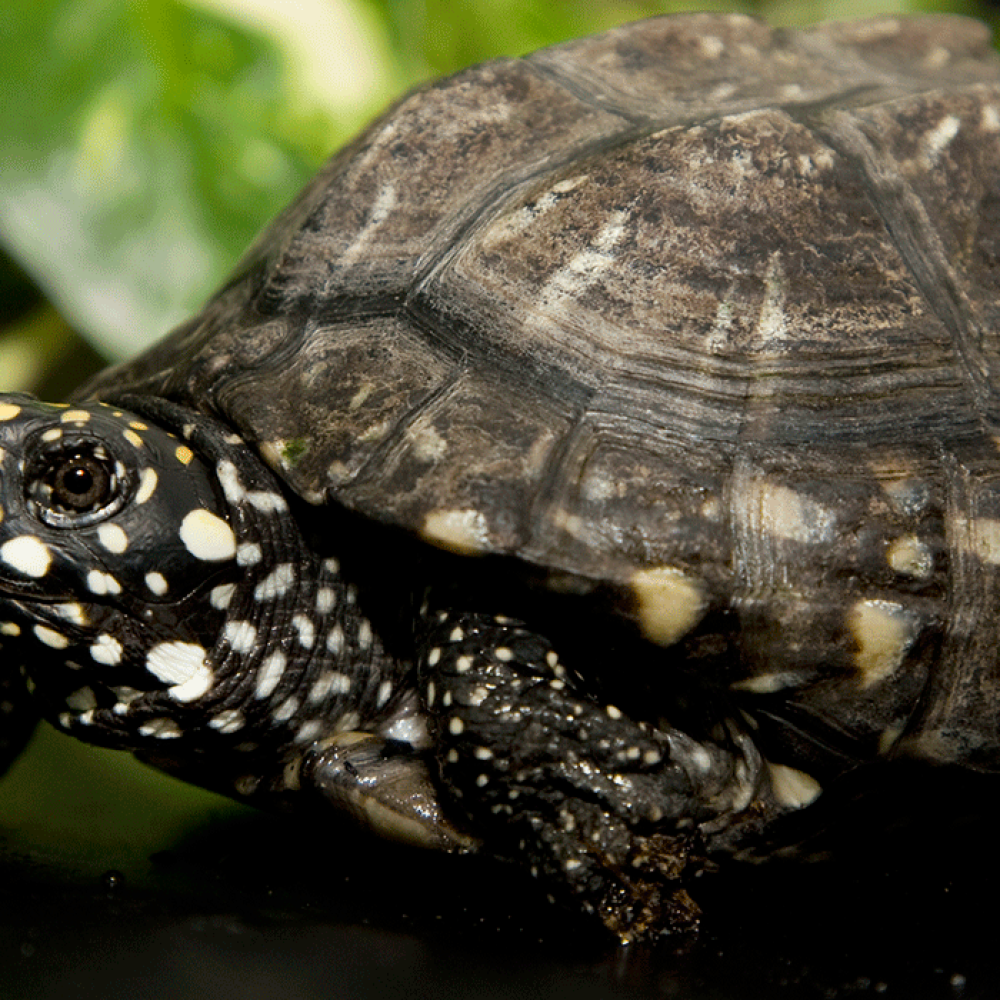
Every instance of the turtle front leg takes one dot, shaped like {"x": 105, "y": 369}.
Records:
{"x": 603, "y": 808}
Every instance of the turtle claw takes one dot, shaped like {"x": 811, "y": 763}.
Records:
{"x": 383, "y": 786}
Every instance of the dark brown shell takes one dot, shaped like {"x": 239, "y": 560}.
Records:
{"x": 697, "y": 308}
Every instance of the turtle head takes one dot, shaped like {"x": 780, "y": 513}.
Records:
{"x": 113, "y": 537}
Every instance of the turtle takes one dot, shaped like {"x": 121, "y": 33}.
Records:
{"x": 598, "y": 463}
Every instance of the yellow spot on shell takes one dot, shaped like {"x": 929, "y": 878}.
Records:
{"x": 792, "y": 788}
{"x": 670, "y": 603}
{"x": 984, "y": 539}
{"x": 9, "y": 410}
{"x": 183, "y": 454}
{"x": 462, "y": 531}
{"x": 132, "y": 438}
{"x": 910, "y": 556}
{"x": 883, "y": 631}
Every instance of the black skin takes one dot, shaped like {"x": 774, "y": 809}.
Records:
{"x": 526, "y": 759}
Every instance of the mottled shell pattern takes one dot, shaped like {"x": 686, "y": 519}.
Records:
{"x": 696, "y": 311}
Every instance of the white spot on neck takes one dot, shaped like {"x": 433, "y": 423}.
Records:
{"x": 182, "y": 665}
{"x": 207, "y": 537}
{"x": 269, "y": 674}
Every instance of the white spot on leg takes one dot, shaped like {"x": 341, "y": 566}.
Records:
{"x": 113, "y": 538}
{"x": 182, "y": 665}
{"x": 269, "y": 675}
{"x": 241, "y": 636}
{"x": 107, "y": 650}
{"x": 28, "y": 555}
{"x": 207, "y": 536}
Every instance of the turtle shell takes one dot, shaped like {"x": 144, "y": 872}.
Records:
{"x": 697, "y": 309}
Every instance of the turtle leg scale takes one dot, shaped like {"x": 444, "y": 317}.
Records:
{"x": 604, "y": 809}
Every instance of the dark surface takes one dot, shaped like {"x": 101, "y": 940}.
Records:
{"x": 253, "y": 906}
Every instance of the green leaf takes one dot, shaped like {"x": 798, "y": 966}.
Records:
{"x": 145, "y": 145}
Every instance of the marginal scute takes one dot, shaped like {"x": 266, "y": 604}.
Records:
{"x": 461, "y": 531}
{"x": 669, "y": 603}
{"x": 793, "y": 788}
{"x": 884, "y": 631}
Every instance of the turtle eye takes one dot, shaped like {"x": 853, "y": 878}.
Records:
{"x": 81, "y": 483}
{"x": 75, "y": 484}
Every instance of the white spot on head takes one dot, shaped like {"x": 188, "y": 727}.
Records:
{"x": 8, "y": 411}
{"x": 326, "y": 599}
{"x": 27, "y": 554}
{"x": 10, "y": 628}
{"x": 112, "y": 537}
{"x": 71, "y": 612}
{"x": 670, "y": 603}
{"x": 884, "y": 632}
{"x": 147, "y": 485}
{"x": 269, "y": 674}
{"x": 455, "y": 725}
{"x": 52, "y": 434}
{"x": 182, "y": 665}
{"x": 106, "y": 649}
{"x": 102, "y": 583}
{"x": 50, "y": 637}
{"x": 157, "y": 583}
{"x": 207, "y": 536}
{"x": 132, "y": 438}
